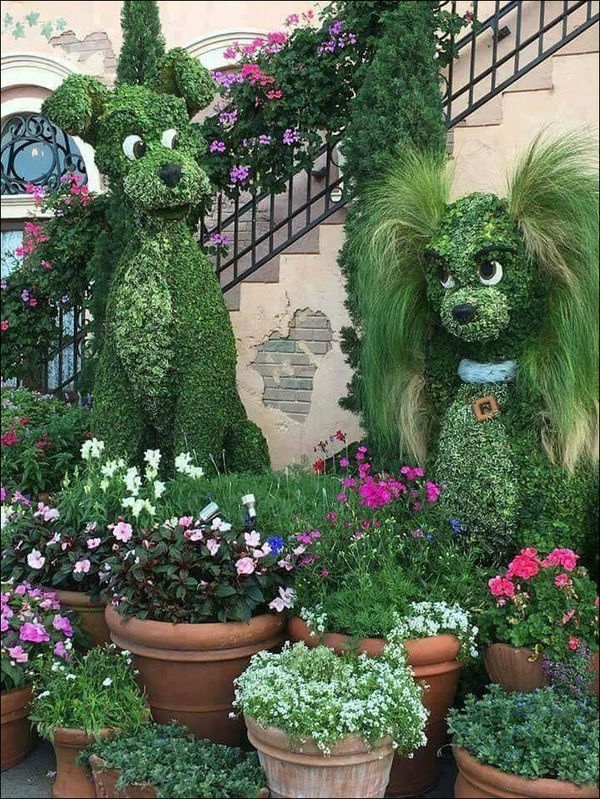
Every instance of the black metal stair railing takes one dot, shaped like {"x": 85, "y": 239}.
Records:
{"x": 519, "y": 35}
{"x": 511, "y": 52}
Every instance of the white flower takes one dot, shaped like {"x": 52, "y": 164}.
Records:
{"x": 152, "y": 458}
{"x": 136, "y": 505}
{"x": 35, "y": 559}
{"x": 104, "y": 484}
{"x": 92, "y": 449}
{"x": 133, "y": 481}
{"x": 182, "y": 462}
{"x": 284, "y": 600}
{"x": 195, "y": 472}
{"x": 70, "y": 677}
{"x": 109, "y": 468}
{"x": 107, "y": 682}
{"x": 159, "y": 489}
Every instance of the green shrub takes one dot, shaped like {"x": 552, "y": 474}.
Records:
{"x": 176, "y": 764}
{"x": 543, "y": 734}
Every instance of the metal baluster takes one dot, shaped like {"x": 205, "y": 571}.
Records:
{"x": 541, "y": 37}
{"x": 518, "y": 38}
{"x": 290, "y": 227}
{"x": 236, "y": 229}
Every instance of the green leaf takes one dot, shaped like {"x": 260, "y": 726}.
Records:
{"x": 18, "y": 31}
{"x": 60, "y": 24}
{"x": 32, "y": 18}
{"x": 8, "y": 20}
{"x": 46, "y": 30}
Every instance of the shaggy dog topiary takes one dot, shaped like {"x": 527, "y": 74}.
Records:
{"x": 480, "y": 350}
{"x": 166, "y": 377}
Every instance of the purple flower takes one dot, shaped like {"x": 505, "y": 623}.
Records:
{"x": 3, "y": 284}
{"x": 62, "y": 623}
{"x": 239, "y": 174}
{"x": 18, "y": 654}
{"x": 290, "y": 136}
{"x": 217, "y": 146}
{"x": 228, "y": 117}
{"x": 25, "y": 295}
{"x": 264, "y": 139}
{"x": 218, "y": 239}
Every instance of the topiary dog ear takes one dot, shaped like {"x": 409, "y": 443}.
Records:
{"x": 184, "y": 76}
{"x": 76, "y": 106}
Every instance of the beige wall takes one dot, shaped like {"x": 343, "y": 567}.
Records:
{"x": 562, "y": 93}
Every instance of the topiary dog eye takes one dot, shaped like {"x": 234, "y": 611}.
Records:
{"x": 169, "y": 139}
{"x": 446, "y": 278}
{"x": 490, "y": 273}
{"x": 134, "y": 147}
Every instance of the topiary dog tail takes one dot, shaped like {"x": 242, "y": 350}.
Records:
{"x": 553, "y": 197}
{"x": 398, "y": 215}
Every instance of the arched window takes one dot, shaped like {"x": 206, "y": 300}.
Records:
{"x": 36, "y": 151}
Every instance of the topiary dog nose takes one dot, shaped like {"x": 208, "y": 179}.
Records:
{"x": 464, "y": 313}
{"x": 170, "y": 174}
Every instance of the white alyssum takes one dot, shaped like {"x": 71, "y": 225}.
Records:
{"x": 314, "y": 693}
{"x": 436, "y": 618}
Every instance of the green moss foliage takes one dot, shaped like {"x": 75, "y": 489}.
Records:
{"x": 166, "y": 376}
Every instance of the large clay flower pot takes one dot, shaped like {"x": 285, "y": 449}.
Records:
{"x": 73, "y": 781}
{"x": 433, "y": 661}
{"x": 17, "y": 734}
{"x": 477, "y": 781}
{"x": 518, "y": 668}
{"x": 188, "y": 669}
{"x": 90, "y": 614}
{"x": 352, "y": 768}
{"x": 105, "y": 782}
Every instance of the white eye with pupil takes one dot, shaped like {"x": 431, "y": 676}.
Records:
{"x": 169, "y": 139}
{"x": 446, "y": 279}
{"x": 134, "y": 147}
{"x": 490, "y": 273}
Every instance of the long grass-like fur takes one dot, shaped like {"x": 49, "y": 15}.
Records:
{"x": 553, "y": 196}
{"x": 398, "y": 216}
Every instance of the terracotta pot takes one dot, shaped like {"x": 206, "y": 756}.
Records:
{"x": 73, "y": 781}
{"x": 352, "y": 768}
{"x": 17, "y": 734}
{"x": 105, "y": 781}
{"x": 518, "y": 669}
{"x": 188, "y": 669}
{"x": 90, "y": 615}
{"x": 433, "y": 661}
{"x": 479, "y": 781}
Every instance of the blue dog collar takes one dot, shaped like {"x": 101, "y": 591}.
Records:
{"x": 474, "y": 372}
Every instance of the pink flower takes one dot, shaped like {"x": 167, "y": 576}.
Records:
{"x": 82, "y": 566}
{"x": 417, "y": 533}
{"x": 561, "y": 557}
{"x": 212, "y": 546}
{"x": 184, "y": 521}
{"x": 284, "y": 600}
{"x": 62, "y": 623}
{"x": 252, "y": 539}
{"x": 245, "y": 566}
{"x": 523, "y": 566}
{"x": 33, "y": 631}
{"x": 331, "y": 517}
{"x": 93, "y": 543}
{"x": 35, "y": 559}
{"x": 561, "y": 580}
{"x": 194, "y": 535}
{"x": 597, "y": 601}
{"x": 568, "y": 616}
{"x": 573, "y": 642}
{"x": 344, "y": 462}
{"x": 123, "y": 532}
{"x": 500, "y": 586}
{"x": 432, "y": 490}
{"x": 18, "y": 654}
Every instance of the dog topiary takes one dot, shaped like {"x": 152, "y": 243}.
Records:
{"x": 480, "y": 348}
{"x": 166, "y": 377}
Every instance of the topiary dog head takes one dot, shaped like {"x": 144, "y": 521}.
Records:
{"x": 495, "y": 278}
{"x": 143, "y": 138}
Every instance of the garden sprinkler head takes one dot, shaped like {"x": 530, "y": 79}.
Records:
{"x": 249, "y": 502}
{"x": 209, "y": 512}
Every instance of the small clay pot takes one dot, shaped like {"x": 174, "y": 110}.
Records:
{"x": 18, "y": 736}
{"x": 73, "y": 780}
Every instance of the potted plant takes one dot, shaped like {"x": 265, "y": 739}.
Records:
{"x": 33, "y": 623}
{"x": 91, "y": 697}
{"x": 166, "y": 760}
{"x": 380, "y": 548}
{"x": 540, "y": 607}
{"x": 66, "y": 546}
{"x": 327, "y": 724}
{"x": 538, "y": 744}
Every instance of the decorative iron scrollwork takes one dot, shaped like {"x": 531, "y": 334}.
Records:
{"x": 36, "y": 151}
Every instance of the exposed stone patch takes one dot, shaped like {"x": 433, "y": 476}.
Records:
{"x": 92, "y": 44}
{"x": 288, "y": 364}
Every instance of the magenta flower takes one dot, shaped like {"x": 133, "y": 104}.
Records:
{"x": 60, "y": 650}
{"x": 33, "y": 631}
{"x": 217, "y": 146}
{"x": 290, "y": 137}
{"x": 239, "y": 174}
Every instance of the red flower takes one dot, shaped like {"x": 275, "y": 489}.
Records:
{"x": 4, "y": 325}
{"x": 523, "y": 566}
{"x": 319, "y": 465}
{"x": 8, "y": 439}
{"x": 340, "y": 436}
